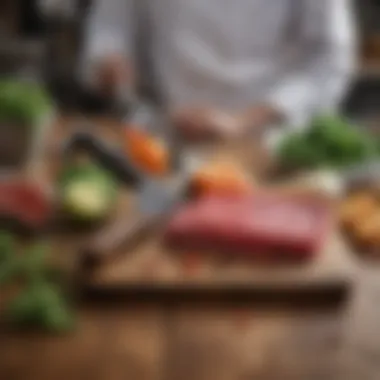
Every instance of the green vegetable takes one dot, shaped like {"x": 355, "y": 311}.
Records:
{"x": 331, "y": 141}
{"x": 23, "y": 102}
{"x": 88, "y": 192}
{"x": 41, "y": 305}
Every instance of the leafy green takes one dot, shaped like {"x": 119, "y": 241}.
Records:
{"x": 23, "y": 102}
{"x": 41, "y": 303}
{"x": 330, "y": 141}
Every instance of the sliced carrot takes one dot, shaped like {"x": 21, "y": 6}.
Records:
{"x": 147, "y": 152}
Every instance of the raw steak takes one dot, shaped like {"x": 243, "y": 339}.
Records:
{"x": 262, "y": 224}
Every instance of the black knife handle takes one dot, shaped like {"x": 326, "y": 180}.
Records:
{"x": 110, "y": 158}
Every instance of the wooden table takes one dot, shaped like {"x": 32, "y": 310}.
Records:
{"x": 194, "y": 340}
{"x": 204, "y": 340}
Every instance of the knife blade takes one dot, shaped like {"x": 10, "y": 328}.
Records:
{"x": 156, "y": 201}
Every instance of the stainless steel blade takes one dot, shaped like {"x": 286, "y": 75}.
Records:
{"x": 160, "y": 197}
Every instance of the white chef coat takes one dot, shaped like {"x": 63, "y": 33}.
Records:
{"x": 296, "y": 55}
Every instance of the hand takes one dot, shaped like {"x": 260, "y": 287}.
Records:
{"x": 258, "y": 117}
{"x": 112, "y": 73}
{"x": 205, "y": 123}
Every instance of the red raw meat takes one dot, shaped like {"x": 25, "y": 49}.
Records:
{"x": 258, "y": 224}
{"x": 24, "y": 202}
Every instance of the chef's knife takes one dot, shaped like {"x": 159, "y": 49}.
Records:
{"x": 155, "y": 203}
{"x": 157, "y": 198}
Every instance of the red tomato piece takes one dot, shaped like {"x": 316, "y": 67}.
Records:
{"x": 24, "y": 202}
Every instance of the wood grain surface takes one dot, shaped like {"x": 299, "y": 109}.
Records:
{"x": 195, "y": 341}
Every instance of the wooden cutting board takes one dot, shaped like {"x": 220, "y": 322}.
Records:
{"x": 153, "y": 268}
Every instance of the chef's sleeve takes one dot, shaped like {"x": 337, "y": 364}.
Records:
{"x": 108, "y": 32}
{"x": 326, "y": 62}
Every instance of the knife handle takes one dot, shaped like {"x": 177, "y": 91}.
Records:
{"x": 124, "y": 231}
{"x": 105, "y": 155}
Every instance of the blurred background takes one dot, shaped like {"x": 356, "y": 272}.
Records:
{"x": 44, "y": 37}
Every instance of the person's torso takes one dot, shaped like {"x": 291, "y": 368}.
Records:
{"x": 222, "y": 53}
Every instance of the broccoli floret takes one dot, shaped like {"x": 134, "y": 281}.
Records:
{"x": 41, "y": 305}
{"x": 330, "y": 141}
